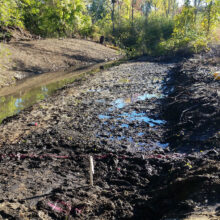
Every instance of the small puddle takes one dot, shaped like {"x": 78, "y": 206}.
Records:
{"x": 149, "y": 96}
{"x": 130, "y": 117}
{"x": 138, "y": 146}
{"x": 126, "y": 119}
{"x": 134, "y": 116}
{"x": 141, "y": 117}
{"x": 122, "y": 102}
{"x": 104, "y": 117}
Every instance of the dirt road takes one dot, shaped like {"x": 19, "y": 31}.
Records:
{"x": 147, "y": 164}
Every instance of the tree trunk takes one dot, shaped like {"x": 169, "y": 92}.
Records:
{"x": 132, "y": 12}
{"x": 113, "y": 17}
{"x": 209, "y": 16}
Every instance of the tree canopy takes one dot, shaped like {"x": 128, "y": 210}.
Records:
{"x": 150, "y": 26}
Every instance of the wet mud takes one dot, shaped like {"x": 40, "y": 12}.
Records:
{"x": 194, "y": 104}
{"x": 146, "y": 163}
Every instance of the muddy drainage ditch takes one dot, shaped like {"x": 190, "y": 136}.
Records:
{"x": 121, "y": 117}
{"x": 34, "y": 89}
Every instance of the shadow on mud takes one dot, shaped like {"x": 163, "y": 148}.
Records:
{"x": 192, "y": 110}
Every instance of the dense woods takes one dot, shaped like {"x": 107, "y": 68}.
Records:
{"x": 138, "y": 26}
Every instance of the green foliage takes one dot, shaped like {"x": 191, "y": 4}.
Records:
{"x": 191, "y": 34}
{"x": 99, "y": 9}
{"x": 211, "y": 15}
{"x": 127, "y": 35}
{"x": 55, "y": 17}
{"x": 143, "y": 36}
{"x": 10, "y": 15}
{"x": 184, "y": 22}
{"x": 154, "y": 27}
{"x": 48, "y": 17}
{"x": 165, "y": 29}
{"x": 156, "y": 30}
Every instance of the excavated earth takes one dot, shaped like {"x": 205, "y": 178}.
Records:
{"x": 24, "y": 57}
{"x": 152, "y": 129}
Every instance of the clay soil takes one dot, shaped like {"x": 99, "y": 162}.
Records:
{"x": 24, "y": 57}
{"x": 152, "y": 129}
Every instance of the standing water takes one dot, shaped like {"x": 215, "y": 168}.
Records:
{"x": 29, "y": 91}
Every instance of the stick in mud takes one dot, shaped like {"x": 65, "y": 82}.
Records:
{"x": 91, "y": 169}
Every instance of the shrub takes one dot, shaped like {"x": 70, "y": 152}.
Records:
{"x": 10, "y": 15}
{"x": 156, "y": 30}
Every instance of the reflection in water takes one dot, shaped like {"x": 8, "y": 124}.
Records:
{"x": 130, "y": 117}
{"x": 134, "y": 116}
{"x": 12, "y": 104}
{"x": 18, "y": 102}
{"x": 119, "y": 103}
{"x": 139, "y": 146}
{"x": 122, "y": 102}
{"x": 124, "y": 125}
{"x": 149, "y": 96}
{"x": 162, "y": 145}
{"x": 141, "y": 117}
{"x": 104, "y": 117}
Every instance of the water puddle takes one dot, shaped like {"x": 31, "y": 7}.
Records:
{"x": 133, "y": 116}
{"x": 137, "y": 145}
{"x": 119, "y": 103}
{"x": 149, "y": 96}
{"x": 13, "y": 104}
{"x": 126, "y": 119}
{"x": 141, "y": 117}
{"x": 124, "y": 125}
{"x": 104, "y": 117}
{"x": 122, "y": 102}
{"x": 162, "y": 145}
{"x": 26, "y": 93}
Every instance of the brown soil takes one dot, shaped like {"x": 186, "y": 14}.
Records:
{"x": 23, "y": 58}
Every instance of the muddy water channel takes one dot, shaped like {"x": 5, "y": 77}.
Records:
{"x": 31, "y": 90}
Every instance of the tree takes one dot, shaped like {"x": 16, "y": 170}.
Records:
{"x": 55, "y": 17}
{"x": 9, "y": 13}
{"x": 211, "y": 15}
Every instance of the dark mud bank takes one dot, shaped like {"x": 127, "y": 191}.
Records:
{"x": 123, "y": 117}
{"x": 192, "y": 108}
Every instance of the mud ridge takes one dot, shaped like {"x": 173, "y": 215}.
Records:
{"x": 193, "y": 107}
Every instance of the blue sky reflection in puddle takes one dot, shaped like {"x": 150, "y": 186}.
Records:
{"x": 124, "y": 119}
{"x": 141, "y": 117}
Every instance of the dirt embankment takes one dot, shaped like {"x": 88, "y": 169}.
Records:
{"x": 24, "y": 58}
{"x": 45, "y": 166}
{"x": 193, "y": 108}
